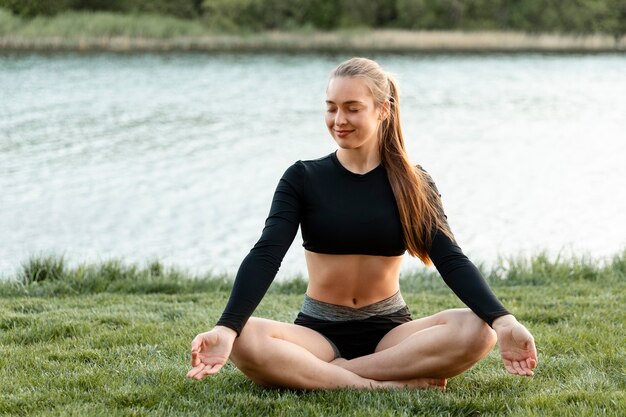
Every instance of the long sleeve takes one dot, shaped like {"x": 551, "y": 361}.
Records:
{"x": 465, "y": 280}
{"x": 461, "y": 275}
{"x": 260, "y": 266}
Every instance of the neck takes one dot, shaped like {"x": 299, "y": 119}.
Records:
{"x": 359, "y": 160}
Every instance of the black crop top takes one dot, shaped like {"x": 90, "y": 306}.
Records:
{"x": 341, "y": 212}
{"x": 357, "y": 214}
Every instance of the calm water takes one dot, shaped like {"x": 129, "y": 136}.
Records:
{"x": 175, "y": 157}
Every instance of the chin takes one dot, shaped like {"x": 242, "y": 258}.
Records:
{"x": 345, "y": 144}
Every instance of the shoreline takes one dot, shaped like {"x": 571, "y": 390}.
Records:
{"x": 394, "y": 41}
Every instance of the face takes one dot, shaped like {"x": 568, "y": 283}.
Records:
{"x": 352, "y": 116}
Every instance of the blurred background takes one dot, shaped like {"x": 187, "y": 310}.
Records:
{"x": 174, "y": 156}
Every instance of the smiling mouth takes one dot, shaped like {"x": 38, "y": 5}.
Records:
{"x": 343, "y": 133}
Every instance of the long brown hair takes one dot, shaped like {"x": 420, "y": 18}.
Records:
{"x": 418, "y": 202}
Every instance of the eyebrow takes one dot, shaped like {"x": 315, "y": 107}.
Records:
{"x": 346, "y": 102}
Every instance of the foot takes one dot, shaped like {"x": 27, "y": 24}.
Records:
{"x": 418, "y": 383}
{"x": 338, "y": 361}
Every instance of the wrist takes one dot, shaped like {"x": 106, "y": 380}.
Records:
{"x": 503, "y": 321}
{"x": 230, "y": 333}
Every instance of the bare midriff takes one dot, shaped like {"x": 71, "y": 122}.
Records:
{"x": 352, "y": 280}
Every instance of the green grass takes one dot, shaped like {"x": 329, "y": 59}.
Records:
{"x": 113, "y": 339}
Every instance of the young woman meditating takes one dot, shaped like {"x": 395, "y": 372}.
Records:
{"x": 360, "y": 208}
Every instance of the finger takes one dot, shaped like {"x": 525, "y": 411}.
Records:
{"x": 195, "y": 371}
{"x": 533, "y": 351}
{"x": 509, "y": 367}
{"x": 195, "y": 358}
{"x": 215, "y": 369}
{"x": 196, "y": 343}
{"x": 518, "y": 368}
{"x": 208, "y": 370}
{"x": 526, "y": 369}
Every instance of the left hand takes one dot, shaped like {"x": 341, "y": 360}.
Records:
{"x": 517, "y": 346}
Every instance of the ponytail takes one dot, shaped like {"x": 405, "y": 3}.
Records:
{"x": 418, "y": 202}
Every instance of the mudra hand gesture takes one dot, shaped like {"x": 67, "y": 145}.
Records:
{"x": 210, "y": 351}
{"x": 517, "y": 346}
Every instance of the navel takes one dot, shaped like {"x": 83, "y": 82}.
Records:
{"x": 354, "y": 301}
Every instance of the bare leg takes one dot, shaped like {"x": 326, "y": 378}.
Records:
{"x": 275, "y": 354}
{"x": 439, "y": 346}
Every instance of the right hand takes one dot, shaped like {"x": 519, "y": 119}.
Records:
{"x": 210, "y": 351}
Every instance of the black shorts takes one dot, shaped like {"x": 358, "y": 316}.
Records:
{"x": 354, "y": 338}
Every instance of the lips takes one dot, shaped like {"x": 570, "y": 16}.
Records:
{"x": 343, "y": 133}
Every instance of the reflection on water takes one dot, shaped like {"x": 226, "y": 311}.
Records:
{"x": 175, "y": 157}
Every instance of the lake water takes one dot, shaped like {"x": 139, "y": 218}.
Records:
{"x": 175, "y": 157}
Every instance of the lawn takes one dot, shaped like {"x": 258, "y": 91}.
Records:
{"x": 113, "y": 340}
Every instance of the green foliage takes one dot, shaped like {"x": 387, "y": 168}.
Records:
{"x": 100, "y": 24}
{"x": 31, "y": 8}
{"x": 233, "y": 14}
{"x": 430, "y": 14}
{"x": 355, "y": 13}
{"x": 572, "y": 16}
{"x": 323, "y": 14}
{"x": 42, "y": 270}
{"x": 578, "y": 16}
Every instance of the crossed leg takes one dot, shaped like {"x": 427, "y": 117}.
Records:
{"x": 439, "y": 346}
{"x": 419, "y": 354}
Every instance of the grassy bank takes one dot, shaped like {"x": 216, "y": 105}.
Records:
{"x": 112, "y": 339}
{"x": 102, "y": 31}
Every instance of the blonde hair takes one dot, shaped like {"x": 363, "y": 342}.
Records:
{"x": 421, "y": 213}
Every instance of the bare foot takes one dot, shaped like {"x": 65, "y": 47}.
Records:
{"x": 433, "y": 383}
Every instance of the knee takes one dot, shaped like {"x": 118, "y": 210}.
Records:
{"x": 248, "y": 347}
{"x": 486, "y": 337}
{"x": 480, "y": 336}
{"x": 477, "y": 337}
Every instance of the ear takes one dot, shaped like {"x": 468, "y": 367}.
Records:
{"x": 385, "y": 110}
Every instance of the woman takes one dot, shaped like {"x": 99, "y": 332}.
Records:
{"x": 360, "y": 208}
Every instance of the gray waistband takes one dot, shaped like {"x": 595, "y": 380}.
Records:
{"x": 334, "y": 312}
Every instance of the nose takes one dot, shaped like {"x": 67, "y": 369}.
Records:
{"x": 340, "y": 118}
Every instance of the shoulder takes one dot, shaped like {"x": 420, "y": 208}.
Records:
{"x": 297, "y": 173}
{"x": 318, "y": 163}
{"x": 301, "y": 168}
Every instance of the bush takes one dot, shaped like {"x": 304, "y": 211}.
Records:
{"x": 323, "y": 14}
{"x": 358, "y": 13}
{"x": 572, "y": 16}
{"x": 32, "y": 8}
{"x": 430, "y": 14}
{"x": 269, "y": 14}
{"x": 233, "y": 14}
